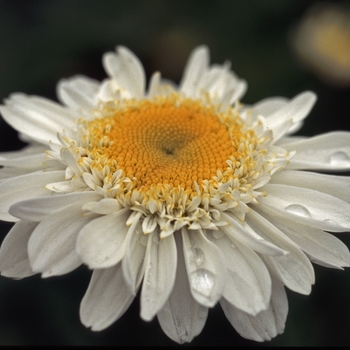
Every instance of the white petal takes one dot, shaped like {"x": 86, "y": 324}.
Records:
{"x": 196, "y": 66}
{"x": 337, "y": 186}
{"x": 248, "y": 286}
{"x": 182, "y": 318}
{"x": 101, "y": 243}
{"x": 36, "y": 209}
{"x": 154, "y": 85}
{"x": 294, "y": 269}
{"x": 322, "y": 248}
{"x": 106, "y": 299}
{"x": 206, "y": 268}
{"x": 319, "y": 206}
{"x": 37, "y": 117}
{"x": 126, "y": 70}
{"x": 295, "y": 110}
{"x": 330, "y": 151}
{"x": 78, "y": 92}
{"x": 268, "y": 106}
{"x": 298, "y": 214}
{"x": 28, "y": 161}
{"x": 14, "y": 260}
{"x": 237, "y": 231}
{"x": 159, "y": 278}
{"x": 265, "y": 325}
{"x": 52, "y": 246}
{"x": 133, "y": 262}
{"x": 25, "y": 187}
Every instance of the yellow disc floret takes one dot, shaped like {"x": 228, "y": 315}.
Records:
{"x": 159, "y": 143}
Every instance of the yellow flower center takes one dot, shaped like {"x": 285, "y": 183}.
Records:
{"x": 163, "y": 142}
{"x": 175, "y": 160}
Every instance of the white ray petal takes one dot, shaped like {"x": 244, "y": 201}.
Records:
{"x": 24, "y": 187}
{"x": 196, "y": 66}
{"x": 268, "y": 106}
{"x": 330, "y": 151}
{"x": 206, "y": 268}
{"x": 78, "y": 92}
{"x": 126, "y": 70}
{"x": 248, "y": 238}
{"x": 133, "y": 262}
{"x": 294, "y": 269}
{"x": 159, "y": 278}
{"x": 337, "y": 186}
{"x": 101, "y": 243}
{"x": 14, "y": 260}
{"x": 266, "y": 324}
{"x": 295, "y": 110}
{"x": 52, "y": 246}
{"x": 322, "y": 247}
{"x": 248, "y": 286}
{"x": 36, "y": 209}
{"x": 154, "y": 84}
{"x": 182, "y": 318}
{"x": 308, "y": 203}
{"x": 37, "y": 117}
{"x": 106, "y": 298}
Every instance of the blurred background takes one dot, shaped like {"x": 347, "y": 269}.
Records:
{"x": 281, "y": 47}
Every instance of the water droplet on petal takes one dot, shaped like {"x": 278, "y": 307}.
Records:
{"x": 298, "y": 209}
{"x": 197, "y": 255}
{"x": 218, "y": 234}
{"x": 202, "y": 281}
{"x": 339, "y": 158}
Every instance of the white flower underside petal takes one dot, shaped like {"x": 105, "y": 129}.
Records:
{"x": 24, "y": 187}
{"x": 248, "y": 286}
{"x": 159, "y": 277}
{"x": 133, "y": 261}
{"x": 337, "y": 186}
{"x": 106, "y": 298}
{"x": 236, "y": 230}
{"x": 101, "y": 243}
{"x": 330, "y": 151}
{"x": 36, "y": 209}
{"x": 39, "y": 118}
{"x": 266, "y": 324}
{"x": 78, "y": 92}
{"x": 295, "y": 110}
{"x": 206, "y": 267}
{"x": 196, "y": 66}
{"x": 14, "y": 260}
{"x": 52, "y": 246}
{"x": 322, "y": 247}
{"x": 294, "y": 269}
{"x": 310, "y": 204}
{"x": 182, "y": 318}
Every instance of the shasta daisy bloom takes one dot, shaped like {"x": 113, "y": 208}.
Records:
{"x": 179, "y": 192}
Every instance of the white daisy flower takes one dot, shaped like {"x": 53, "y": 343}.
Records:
{"x": 180, "y": 192}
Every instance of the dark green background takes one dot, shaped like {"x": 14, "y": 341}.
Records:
{"x": 44, "y": 41}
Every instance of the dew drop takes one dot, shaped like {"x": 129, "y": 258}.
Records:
{"x": 298, "y": 209}
{"x": 339, "y": 158}
{"x": 197, "y": 255}
{"x": 218, "y": 234}
{"x": 202, "y": 281}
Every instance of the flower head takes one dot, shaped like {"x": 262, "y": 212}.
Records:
{"x": 180, "y": 192}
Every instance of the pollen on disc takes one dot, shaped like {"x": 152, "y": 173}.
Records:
{"x": 163, "y": 142}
